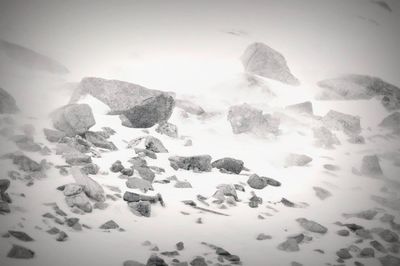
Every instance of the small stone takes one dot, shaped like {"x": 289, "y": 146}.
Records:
{"x": 154, "y": 260}
{"x": 230, "y": 165}
{"x": 378, "y": 246}
{"x": 322, "y": 193}
{"x": 344, "y": 254}
{"x": 109, "y": 225}
{"x": 20, "y": 235}
{"x": 289, "y": 245}
{"x": 180, "y": 246}
{"x": 116, "y": 167}
{"x": 62, "y": 236}
{"x": 141, "y": 208}
{"x": 182, "y": 184}
{"x": 367, "y": 253}
{"x": 168, "y": 129}
{"x": 343, "y": 232}
{"x": 389, "y": 260}
{"x": 155, "y": 145}
{"x": 263, "y": 236}
{"x": 198, "y": 261}
{"x": 312, "y": 226}
{"x": 294, "y": 159}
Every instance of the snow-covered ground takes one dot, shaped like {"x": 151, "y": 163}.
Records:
{"x": 193, "y": 49}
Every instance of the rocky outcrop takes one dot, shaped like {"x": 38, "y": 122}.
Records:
{"x": 138, "y": 106}
{"x": 349, "y": 124}
{"x": 355, "y": 87}
{"x": 262, "y": 60}
{"x": 73, "y": 119}
{"x": 8, "y": 104}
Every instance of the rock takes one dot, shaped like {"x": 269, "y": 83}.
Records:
{"x": 230, "y": 165}
{"x": 90, "y": 169}
{"x": 228, "y": 190}
{"x": 109, "y": 225}
{"x": 8, "y": 104}
{"x": 132, "y": 263}
{"x": 146, "y": 173}
{"x": 99, "y": 141}
{"x": 182, "y": 184}
{"x": 155, "y": 145}
{"x": 180, "y": 246}
{"x": 294, "y": 159}
{"x": 168, "y": 129}
{"x": 141, "y": 107}
{"x": 198, "y": 261}
{"x": 134, "y": 197}
{"x": 26, "y": 143}
{"x": 301, "y": 108}
{"x": 75, "y": 197}
{"x": 4, "y": 207}
{"x": 53, "y": 135}
{"x": 62, "y": 236}
{"x": 117, "y": 167}
{"x": 290, "y": 245}
{"x": 322, "y": 193}
{"x": 145, "y": 152}
{"x": 391, "y": 203}
{"x": 331, "y": 167}
{"x": 263, "y": 236}
{"x": 91, "y": 188}
{"x": 339, "y": 121}
{"x": 354, "y": 87}
{"x": 389, "y": 260}
{"x": 343, "y": 232}
{"x": 378, "y": 246}
{"x": 189, "y": 107}
{"x": 138, "y": 183}
{"x": 154, "y": 260}
{"x": 74, "y": 144}
{"x": 199, "y": 163}
{"x": 24, "y": 163}
{"x": 77, "y": 158}
{"x": 391, "y": 122}
{"x": 370, "y": 166}
{"x": 4, "y": 185}
{"x": 325, "y": 138}
{"x": 344, "y": 254}
{"x": 257, "y": 182}
{"x": 21, "y": 235}
{"x": 388, "y": 235}
{"x": 367, "y": 253}
{"x": 73, "y": 119}
{"x": 262, "y": 60}
{"x": 127, "y": 171}
{"x": 312, "y": 226}
{"x": 20, "y": 252}
{"x": 245, "y": 118}
{"x": 366, "y": 215}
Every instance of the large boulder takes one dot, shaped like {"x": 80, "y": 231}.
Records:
{"x": 354, "y": 87}
{"x": 262, "y": 60}
{"x": 349, "y": 124}
{"x": 73, "y": 119}
{"x": 245, "y": 118}
{"x": 138, "y": 106}
{"x": 7, "y": 103}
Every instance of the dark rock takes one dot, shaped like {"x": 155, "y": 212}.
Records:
{"x": 146, "y": 152}
{"x": 62, "y": 236}
{"x": 21, "y": 235}
{"x": 198, "y": 163}
{"x": 140, "y": 208}
{"x": 8, "y": 104}
{"x": 367, "y": 253}
{"x": 109, "y": 225}
{"x": 344, "y": 254}
{"x": 262, "y": 60}
{"x": 19, "y": 252}
{"x": 343, "y": 232}
{"x": 90, "y": 169}
{"x": 180, "y": 246}
{"x": 229, "y": 164}
{"x": 289, "y": 245}
{"x": 263, "y": 236}
{"x": 24, "y": 162}
{"x": 378, "y": 246}
{"x": 139, "y": 183}
{"x": 391, "y": 122}
{"x": 132, "y": 263}
{"x": 198, "y": 261}
{"x": 155, "y": 145}
{"x": 388, "y": 235}
{"x": 127, "y": 171}
{"x": 117, "y": 167}
{"x": 154, "y": 260}
{"x": 73, "y": 119}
